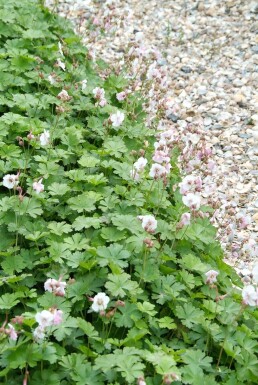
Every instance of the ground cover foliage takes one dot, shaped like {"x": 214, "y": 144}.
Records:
{"x": 90, "y": 294}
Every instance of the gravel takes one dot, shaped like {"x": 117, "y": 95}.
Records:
{"x": 210, "y": 55}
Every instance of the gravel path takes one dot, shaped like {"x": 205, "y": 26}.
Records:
{"x": 210, "y": 55}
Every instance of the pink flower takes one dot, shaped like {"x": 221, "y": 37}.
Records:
{"x": 11, "y": 332}
{"x": 149, "y": 223}
{"x": 140, "y": 164}
{"x": 56, "y": 287}
{"x": 167, "y": 136}
{"x": 44, "y": 318}
{"x": 193, "y": 201}
{"x": 58, "y": 317}
{"x": 38, "y": 186}
{"x": 161, "y": 157}
{"x": 211, "y": 276}
{"x": 185, "y": 219}
{"x": 121, "y": 96}
{"x": 64, "y": 96}
{"x": 243, "y": 220}
{"x": 99, "y": 93}
{"x": 157, "y": 171}
{"x": 190, "y": 183}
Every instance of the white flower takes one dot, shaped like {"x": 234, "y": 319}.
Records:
{"x": 185, "y": 219}
{"x": 192, "y": 200}
{"x": 38, "y": 186}
{"x": 249, "y": 295}
{"x": 56, "y": 287}
{"x": 167, "y": 136}
{"x": 99, "y": 93}
{"x": 121, "y": 96}
{"x": 60, "y": 64}
{"x": 255, "y": 273}
{"x": 51, "y": 79}
{"x": 63, "y": 95}
{"x": 44, "y": 138}
{"x": 117, "y": 118}
{"x": 44, "y": 318}
{"x": 140, "y": 164}
{"x": 161, "y": 157}
{"x": 149, "y": 223}
{"x": 39, "y": 333}
{"x": 10, "y": 181}
{"x": 158, "y": 171}
{"x": 211, "y": 276}
{"x": 84, "y": 84}
{"x": 100, "y": 302}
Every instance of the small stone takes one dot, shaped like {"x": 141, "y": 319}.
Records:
{"x": 173, "y": 117}
{"x": 207, "y": 121}
{"x": 186, "y": 69}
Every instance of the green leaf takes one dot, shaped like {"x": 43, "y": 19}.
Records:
{"x": 120, "y": 284}
{"x": 59, "y": 228}
{"x": 189, "y": 314}
{"x": 87, "y": 328}
{"x": 83, "y": 222}
{"x": 8, "y": 301}
{"x": 197, "y": 357}
{"x": 84, "y": 202}
{"x": 76, "y": 242}
{"x": 88, "y": 160}
{"x": 167, "y": 323}
{"x": 58, "y": 189}
{"x": 113, "y": 254}
{"x": 127, "y": 315}
{"x": 147, "y": 307}
{"x": 111, "y": 234}
{"x": 115, "y": 146}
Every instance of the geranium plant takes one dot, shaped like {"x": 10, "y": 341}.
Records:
{"x": 110, "y": 269}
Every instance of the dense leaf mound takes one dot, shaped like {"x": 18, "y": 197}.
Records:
{"x": 88, "y": 296}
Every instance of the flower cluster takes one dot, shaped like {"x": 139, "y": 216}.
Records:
{"x": 99, "y": 95}
{"x": 55, "y": 287}
{"x": 190, "y": 187}
{"x": 46, "y": 319}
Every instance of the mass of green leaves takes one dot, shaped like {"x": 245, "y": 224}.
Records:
{"x": 84, "y": 228}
